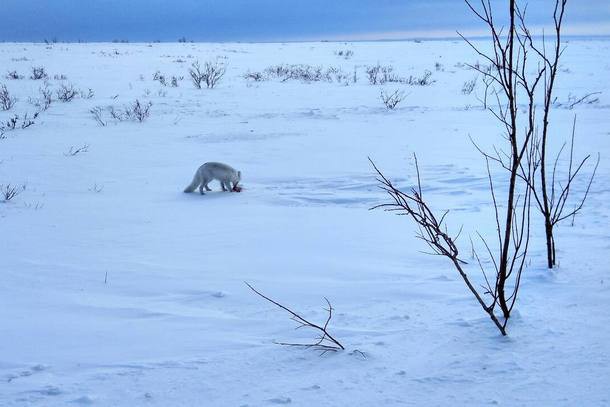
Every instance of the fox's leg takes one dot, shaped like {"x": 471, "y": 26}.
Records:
{"x": 222, "y": 185}
{"x": 204, "y": 184}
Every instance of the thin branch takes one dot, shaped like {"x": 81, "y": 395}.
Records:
{"x": 331, "y": 343}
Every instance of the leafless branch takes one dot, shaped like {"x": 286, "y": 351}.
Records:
{"x": 325, "y": 342}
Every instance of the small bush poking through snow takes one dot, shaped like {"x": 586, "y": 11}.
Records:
{"x": 391, "y": 100}
{"x": 97, "y": 113}
{"x": 88, "y": 94}
{"x": 13, "y": 75}
{"x": 162, "y": 79}
{"x": 38, "y": 72}
{"x": 158, "y": 76}
{"x": 196, "y": 74}
{"x": 423, "y": 80}
{"x": 380, "y": 74}
{"x": 344, "y": 53}
{"x": 77, "y": 150}
{"x": 210, "y": 74}
{"x": 45, "y": 99}
{"x": 469, "y": 86}
{"x": 255, "y": 76}
{"x": 10, "y": 123}
{"x": 66, "y": 92}
{"x": 6, "y": 100}
{"x": 9, "y": 191}
{"x": 307, "y": 73}
{"x": 16, "y": 122}
{"x": 138, "y": 111}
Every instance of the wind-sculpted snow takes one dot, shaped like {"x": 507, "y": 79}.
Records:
{"x": 118, "y": 289}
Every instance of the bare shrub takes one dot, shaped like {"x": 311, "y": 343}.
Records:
{"x": 550, "y": 195}
{"x": 255, "y": 76}
{"x": 391, "y": 100}
{"x": 159, "y": 77}
{"x": 325, "y": 342}
{"x": 380, "y": 74}
{"x": 163, "y": 79}
{"x": 38, "y": 73}
{"x": 27, "y": 121}
{"x": 336, "y": 74}
{"x": 515, "y": 88}
{"x": 138, "y": 111}
{"x": 97, "y": 113}
{"x": 210, "y": 74}
{"x": 13, "y": 75}
{"x": 278, "y": 71}
{"x": 423, "y": 80}
{"x": 77, "y": 150}
{"x": 469, "y": 86}
{"x": 305, "y": 73}
{"x": 344, "y": 53}
{"x": 196, "y": 74}
{"x": 116, "y": 114}
{"x": 573, "y": 100}
{"x": 9, "y": 191}
{"x": 66, "y": 92}
{"x": 10, "y": 123}
{"x": 86, "y": 94}
{"x": 60, "y": 77}
{"x": 17, "y": 122}
{"x": 6, "y": 100}
{"x": 45, "y": 99}
{"x": 372, "y": 73}
{"x": 433, "y": 231}
{"x": 438, "y": 66}
{"x": 213, "y": 73}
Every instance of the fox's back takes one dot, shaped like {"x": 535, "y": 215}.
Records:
{"x": 217, "y": 170}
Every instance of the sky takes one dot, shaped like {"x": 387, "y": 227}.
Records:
{"x": 269, "y": 20}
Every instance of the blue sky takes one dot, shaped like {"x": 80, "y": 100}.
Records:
{"x": 267, "y": 20}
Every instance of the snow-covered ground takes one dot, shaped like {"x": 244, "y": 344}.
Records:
{"x": 117, "y": 289}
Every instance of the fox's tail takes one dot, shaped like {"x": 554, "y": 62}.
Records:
{"x": 194, "y": 184}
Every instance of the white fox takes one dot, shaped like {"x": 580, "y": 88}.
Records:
{"x": 219, "y": 171}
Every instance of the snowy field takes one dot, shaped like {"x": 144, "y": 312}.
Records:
{"x": 117, "y": 289}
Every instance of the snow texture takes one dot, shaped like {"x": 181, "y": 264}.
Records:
{"x": 118, "y": 289}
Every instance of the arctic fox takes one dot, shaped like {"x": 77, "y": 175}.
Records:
{"x": 219, "y": 171}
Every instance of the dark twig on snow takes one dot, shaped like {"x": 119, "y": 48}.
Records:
{"x": 325, "y": 342}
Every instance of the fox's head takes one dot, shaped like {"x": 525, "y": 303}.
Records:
{"x": 236, "y": 180}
